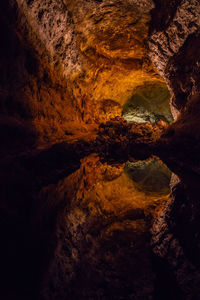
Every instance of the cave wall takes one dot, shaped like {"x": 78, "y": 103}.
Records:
{"x": 33, "y": 93}
{"x": 175, "y": 235}
{"x": 102, "y": 236}
{"x": 173, "y": 46}
{"x": 70, "y": 64}
{"x": 174, "y": 36}
{"x": 67, "y": 66}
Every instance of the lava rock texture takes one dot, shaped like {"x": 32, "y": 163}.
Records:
{"x": 67, "y": 70}
{"x": 173, "y": 46}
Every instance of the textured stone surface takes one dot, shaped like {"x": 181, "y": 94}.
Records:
{"x": 176, "y": 235}
{"x": 173, "y": 46}
{"x": 103, "y": 242}
{"x": 69, "y": 59}
{"x": 173, "y": 43}
{"x": 33, "y": 95}
{"x": 65, "y": 67}
{"x": 149, "y": 103}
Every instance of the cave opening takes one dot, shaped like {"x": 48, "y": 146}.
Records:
{"x": 150, "y": 102}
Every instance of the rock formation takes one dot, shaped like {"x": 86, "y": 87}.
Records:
{"x": 75, "y": 64}
{"x": 174, "y": 37}
{"x": 85, "y": 86}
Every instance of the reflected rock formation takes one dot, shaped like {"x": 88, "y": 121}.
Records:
{"x": 104, "y": 240}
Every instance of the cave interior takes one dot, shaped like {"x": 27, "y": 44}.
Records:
{"x": 100, "y": 143}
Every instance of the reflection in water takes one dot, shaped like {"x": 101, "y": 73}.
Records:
{"x": 176, "y": 236}
{"x": 151, "y": 176}
{"x": 103, "y": 247}
{"x": 105, "y": 231}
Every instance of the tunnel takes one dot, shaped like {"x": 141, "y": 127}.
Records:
{"x": 149, "y": 103}
{"x": 100, "y": 139}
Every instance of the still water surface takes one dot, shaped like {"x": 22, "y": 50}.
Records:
{"x": 104, "y": 241}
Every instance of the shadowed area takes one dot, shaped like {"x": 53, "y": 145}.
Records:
{"x": 152, "y": 176}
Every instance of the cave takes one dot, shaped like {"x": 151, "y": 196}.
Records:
{"x": 149, "y": 103}
{"x": 100, "y": 143}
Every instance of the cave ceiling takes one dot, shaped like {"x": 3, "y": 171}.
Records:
{"x": 88, "y": 56}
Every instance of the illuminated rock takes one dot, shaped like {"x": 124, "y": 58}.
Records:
{"x": 72, "y": 57}
{"x": 149, "y": 103}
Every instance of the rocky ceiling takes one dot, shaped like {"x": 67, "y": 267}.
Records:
{"x": 68, "y": 65}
